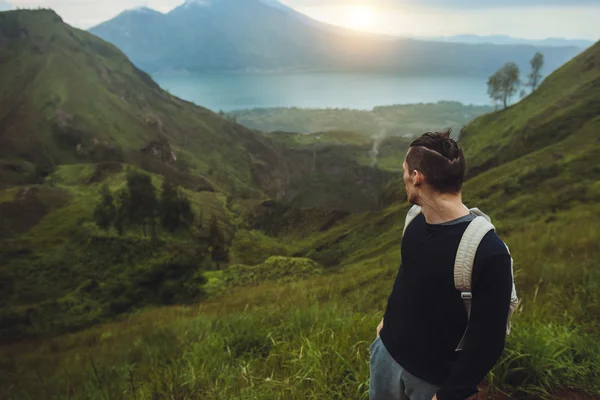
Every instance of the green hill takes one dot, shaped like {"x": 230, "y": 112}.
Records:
{"x": 293, "y": 315}
{"x": 69, "y": 97}
{"x": 60, "y": 87}
{"x": 539, "y": 158}
{"x": 75, "y": 114}
{"x": 564, "y": 106}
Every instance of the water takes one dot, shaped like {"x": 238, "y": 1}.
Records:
{"x": 220, "y": 91}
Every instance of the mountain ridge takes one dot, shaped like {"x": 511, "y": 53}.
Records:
{"x": 234, "y": 35}
{"x": 76, "y": 116}
{"x": 510, "y": 40}
{"x": 296, "y": 325}
{"x": 538, "y": 119}
{"x": 70, "y": 83}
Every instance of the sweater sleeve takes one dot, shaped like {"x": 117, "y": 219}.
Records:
{"x": 486, "y": 332}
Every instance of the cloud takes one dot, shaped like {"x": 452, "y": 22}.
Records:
{"x": 471, "y": 4}
{"x": 452, "y": 4}
{"x": 5, "y": 5}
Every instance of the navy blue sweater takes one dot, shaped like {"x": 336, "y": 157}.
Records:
{"x": 425, "y": 316}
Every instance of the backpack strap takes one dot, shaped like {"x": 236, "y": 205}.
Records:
{"x": 514, "y": 299}
{"x": 465, "y": 258}
{"x": 412, "y": 214}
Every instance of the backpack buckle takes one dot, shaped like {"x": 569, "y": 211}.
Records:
{"x": 466, "y": 295}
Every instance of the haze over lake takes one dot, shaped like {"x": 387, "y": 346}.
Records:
{"x": 227, "y": 92}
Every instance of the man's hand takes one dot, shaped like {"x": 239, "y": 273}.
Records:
{"x": 434, "y": 397}
{"x": 379, "y": 328}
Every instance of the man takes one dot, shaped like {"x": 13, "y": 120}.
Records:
{"x": 415, "y": 355}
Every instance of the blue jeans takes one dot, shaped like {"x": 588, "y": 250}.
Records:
{"x": 389, "y": 381}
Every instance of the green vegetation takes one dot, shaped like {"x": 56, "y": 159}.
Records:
{"x": 175, "y": 210}
{"x": 84, "y": 235}
{"x": 537, "y": 62}
{"x": 61, "y": 85}
{"x": 397, "y": 120}
{"x": 562, "y": 109}
{"x": 138, "y": 206}
{"x": 276, "y": 288}
{"x": 309, "y": 338}
{"x": 505, "y": 82}
{"x": 503, "y": 85}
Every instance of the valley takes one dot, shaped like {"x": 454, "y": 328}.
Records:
{"x": 306, "y": 211}
{"x": 383, "y": 121}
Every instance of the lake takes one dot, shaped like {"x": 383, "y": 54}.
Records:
{"x": 227, "y": 92}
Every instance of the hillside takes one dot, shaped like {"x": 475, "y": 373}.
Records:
{"x": 61, "y": 86}
{"x": 76, "y": 115}
{"x": 563, "y": 109}
{"x": 293, "y": 313}
{"x": 251, "y": 35}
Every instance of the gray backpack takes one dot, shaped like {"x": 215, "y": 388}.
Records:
{"x": 465, "y": 257}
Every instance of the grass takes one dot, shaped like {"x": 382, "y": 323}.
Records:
{"x": 77, "y": 99}
{"x": 91, "y": 315}
{"x": 563, "y": 106}
{"x": 308, "y": 339}
{"x": 60, "y": 272}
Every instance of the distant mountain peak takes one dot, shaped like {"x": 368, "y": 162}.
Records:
{"x": 268, "y": 35}
{"x": 143, "y": 9}
{"x": 203, "y": 3}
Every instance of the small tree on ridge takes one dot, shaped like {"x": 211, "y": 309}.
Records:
{"x": 537, "y": 62}
{"x": 503, "y": 85}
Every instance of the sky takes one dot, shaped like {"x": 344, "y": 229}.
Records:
{"x": 534, "y": 19}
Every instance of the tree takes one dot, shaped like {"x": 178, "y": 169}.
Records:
{"x": 523, "y": 93}
{"x": 142, "y": 204}
{"x": 201, "y": 238}
{"x": 175, "y": 210}
{"x": 494, "y": 89}
{"x": 122, "y": 211}
{"x": 105, "y": 212}
{"x": 537, "y": 62}
{"x": 219, "y": 251}
{"x": 168, "y": 210}
{"x": 504, "y": 83}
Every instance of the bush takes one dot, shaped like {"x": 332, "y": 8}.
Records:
{"x": 273, "y": 269}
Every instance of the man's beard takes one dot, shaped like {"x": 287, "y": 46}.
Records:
{"x": 412, "y": 199}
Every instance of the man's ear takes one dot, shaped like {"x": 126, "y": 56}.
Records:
{"x": 417, "y": 177}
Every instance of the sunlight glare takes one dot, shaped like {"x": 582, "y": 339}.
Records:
{"x": 360, "y": 17}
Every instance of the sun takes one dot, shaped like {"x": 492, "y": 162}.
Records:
{"x": 360, "y": 17}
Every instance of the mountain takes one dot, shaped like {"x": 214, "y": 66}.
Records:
{"x": 287, "y": 327}
{"x": 76, "y": 115}
{"x": 60, "y": 86}
{"x": 293, "y": 314}
{"x": 509, "y": 40}
{"x": 247, "y": 35}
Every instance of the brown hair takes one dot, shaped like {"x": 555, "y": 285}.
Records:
{"x": 439, "y": 159}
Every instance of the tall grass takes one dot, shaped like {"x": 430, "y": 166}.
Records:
{"x": 309, "y": 340}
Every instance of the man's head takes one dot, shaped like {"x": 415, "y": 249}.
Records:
{"x": 434, "y": 165}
